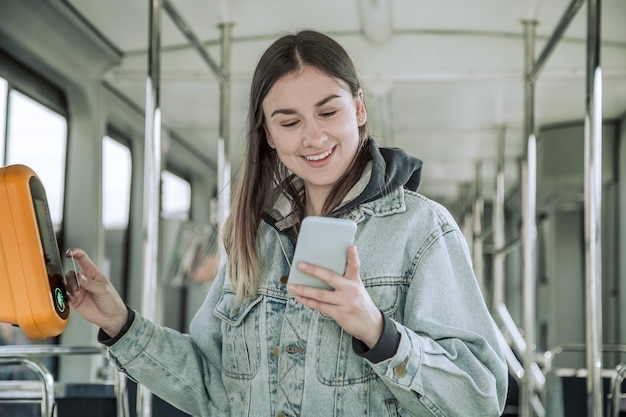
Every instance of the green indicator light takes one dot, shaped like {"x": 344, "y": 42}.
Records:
{"x": 60, "y": 299}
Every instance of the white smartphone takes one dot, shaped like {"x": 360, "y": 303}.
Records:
{"x": 323, "y": 241}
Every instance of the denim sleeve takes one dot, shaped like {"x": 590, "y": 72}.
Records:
{"x": 448, "y": 358}
{"x": 171, "y": 366}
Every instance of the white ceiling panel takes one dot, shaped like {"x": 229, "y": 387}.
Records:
{"x": 447, "y": 77}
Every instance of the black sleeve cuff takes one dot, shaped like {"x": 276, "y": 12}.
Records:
{"x": 385, "y": 348}
{"x": 107, "y": 340}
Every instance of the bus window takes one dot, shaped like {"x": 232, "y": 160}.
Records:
{"x": 116, "y": 176}
{"x": 176, "y": 197}
{"x": 33, "y": 134}
{"x": 37, "y": 137}
{"x": 116, "y": 193}
{"x": 175, "y": 207}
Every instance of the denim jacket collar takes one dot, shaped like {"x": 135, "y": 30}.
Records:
{"x": 282, "y": 216}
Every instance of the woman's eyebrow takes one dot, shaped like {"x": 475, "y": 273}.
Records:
{"x": 326, "y": 100}
{"x": 283, "y": 111}
{"x": 293, "y": 111}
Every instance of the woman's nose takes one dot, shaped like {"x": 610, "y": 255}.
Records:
{"x": 314, "y": 135}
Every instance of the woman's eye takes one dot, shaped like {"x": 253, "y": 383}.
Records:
{"x": 290, "y": 124}
{"x": 329, "y": 113}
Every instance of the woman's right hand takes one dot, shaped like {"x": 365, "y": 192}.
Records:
{"x": 95, "y": 298}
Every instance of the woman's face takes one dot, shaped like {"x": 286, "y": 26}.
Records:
{"x": 312, "y": 121}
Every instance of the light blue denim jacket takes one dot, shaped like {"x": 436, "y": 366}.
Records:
{"x": 274, "y": 357}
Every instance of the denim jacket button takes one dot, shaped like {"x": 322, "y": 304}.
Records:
{"x": 283, "y": 279}
{"x": 281, "y": 415}
{"x": 399, "y": 371}
{"x": 276, "y": 351}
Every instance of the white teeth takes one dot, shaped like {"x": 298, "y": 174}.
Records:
{"x": 318, "y": 157}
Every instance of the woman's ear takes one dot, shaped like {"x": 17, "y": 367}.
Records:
{"x": 270, "y": 142}
{"x": 361, "y": 112}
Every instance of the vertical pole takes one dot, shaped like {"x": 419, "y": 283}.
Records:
{"x": 498, "y": 226}
{"x": 466, "y": 209}
{"x": 529, "y": 168}
{"x": 593, "y": 199}
{"x": 223, "y": 144}
{"x": 152, "y": 185}
{"x": 529, "y": 195}
{"x": 479, "y": 205}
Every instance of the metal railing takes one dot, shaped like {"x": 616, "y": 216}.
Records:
{"x": 616, "y": 375}
{"x": 26, "y": 354}
{"x": 616, "y": 395}
{"x": 47, "y": 382}
{"x": 520, "y": 345}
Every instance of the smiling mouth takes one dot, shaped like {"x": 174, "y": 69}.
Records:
{"x": 320, "y": 156}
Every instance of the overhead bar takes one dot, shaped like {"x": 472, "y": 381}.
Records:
{"x": 193, "y": 39}
{"x": 152, "y": 185}
{"x": 593, "y": 204}
{"x": 566, "y": 19}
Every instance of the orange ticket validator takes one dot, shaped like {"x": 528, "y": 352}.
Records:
{"x": 32, "y": 287}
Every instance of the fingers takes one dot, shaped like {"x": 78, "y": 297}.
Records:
{"x": 71, "y": 281}
{"x": 98, "y": 285}
{"x": 87, "y": 267}
{"x": 81, "y": 257}
{"x": 76, "y": 294}
{"x": 353, "y": 264}
{"x": 92, "y": 289}
{"x": 323, "y": 274}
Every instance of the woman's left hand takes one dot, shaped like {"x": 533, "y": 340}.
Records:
{"x": 349, "y": 305}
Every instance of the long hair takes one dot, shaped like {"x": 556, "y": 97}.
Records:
{"x": 262, "y": 173}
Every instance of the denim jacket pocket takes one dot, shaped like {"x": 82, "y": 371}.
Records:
{"x": 241, "y": 355}
{"x": 338, "y": 365}
{"x": 388, "y": 296}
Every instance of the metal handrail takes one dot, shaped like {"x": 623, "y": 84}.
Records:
{"x": 617, "y": 375}
{"x": 550, "y": 354}
{"x": 13, "y": 354}
{"x": 121, "y": 394}
{"x": 537, "y": 380}
{"x": 615, "y": 391}
{"x": 47, "y": 400}
{"x": 516, "y": 338}
{"x": 43, "y": 350}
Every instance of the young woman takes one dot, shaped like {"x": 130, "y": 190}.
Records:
{"x": 405, "y": 332}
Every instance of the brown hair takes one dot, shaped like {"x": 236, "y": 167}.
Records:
{"x": 262, "y": 172}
